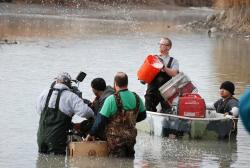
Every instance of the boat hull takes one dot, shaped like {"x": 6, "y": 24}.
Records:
{"x": 161, "y": 124}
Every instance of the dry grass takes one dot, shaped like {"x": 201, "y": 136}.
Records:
{"x": 83, "y": 1}
{"x": 232, "y": 3}
{"x": 237, "y": 12}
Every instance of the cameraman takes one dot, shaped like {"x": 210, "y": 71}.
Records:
{"x": 56, "y": 107}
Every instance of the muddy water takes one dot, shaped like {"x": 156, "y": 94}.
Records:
{"x": 59, "y": 41}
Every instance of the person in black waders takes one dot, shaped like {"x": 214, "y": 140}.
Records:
{"x": 169, "y": 70}
{"x": 56, "y": 107}
{"x": 119, "y": 115}
{"x": 227, "y": 104}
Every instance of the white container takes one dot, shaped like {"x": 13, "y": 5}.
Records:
{"x": 173, "y": 87}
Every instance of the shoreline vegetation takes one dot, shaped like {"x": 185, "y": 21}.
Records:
{"x": 233, "y": 16}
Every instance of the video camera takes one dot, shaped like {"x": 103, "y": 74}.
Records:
{"x": 79, "y": 78}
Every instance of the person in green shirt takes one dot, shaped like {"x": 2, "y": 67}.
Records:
{"x": 119, "y": 115}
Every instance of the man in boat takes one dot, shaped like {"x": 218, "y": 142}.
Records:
{"x": 101, "y": 92}
{"x": 56, "y": 107}
{"x": 119, "y": 115}
{"x": 227, "y": 104}
{"x": 245, "y": 109}
{"x": 169, "y": 70}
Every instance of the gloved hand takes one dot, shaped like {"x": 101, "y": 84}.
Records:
{"x": 89, "y": 138}
{"x": 228, "y": 116}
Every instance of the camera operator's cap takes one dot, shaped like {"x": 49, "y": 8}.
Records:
{"x": 229, "y": 86}
{"x": 63, "y": 77}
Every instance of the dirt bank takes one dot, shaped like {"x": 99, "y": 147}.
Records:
{"x": 233, "y": 18}
{"x": 115, "y": 2}
{"x": 220, "y": 23}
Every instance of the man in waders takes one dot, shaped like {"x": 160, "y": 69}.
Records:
{"x": 169, "y": 70}
{"x": 119, "y": 115}
{"x": 56, "y": 107}
{"x": 227, "y": 104}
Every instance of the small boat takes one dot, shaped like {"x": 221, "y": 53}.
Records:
{"x": 210, "y": 127}
{"x": 188, "y": 116}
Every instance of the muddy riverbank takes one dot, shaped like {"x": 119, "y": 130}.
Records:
{"x": 210, "y": 20}
{"x": 217, "y": 24}
{"x": 146, "y": 18}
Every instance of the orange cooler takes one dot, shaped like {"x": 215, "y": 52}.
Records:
{"x": 149, "y": 69}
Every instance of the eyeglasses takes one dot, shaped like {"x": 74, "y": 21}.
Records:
{"x": 163, "y": 44}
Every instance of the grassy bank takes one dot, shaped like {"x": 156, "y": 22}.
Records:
{"x": 237, "y": 14}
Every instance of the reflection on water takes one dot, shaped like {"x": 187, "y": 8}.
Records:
{"x": 100, "y": 162}
{"x": 181, "y": 153}
{"x": 45, "y": 161}
{"x": 231, "y": 61}
{"x": 26, "y": 26}
{"x": 156, "y": 152}
{"x": 101, "y": 48}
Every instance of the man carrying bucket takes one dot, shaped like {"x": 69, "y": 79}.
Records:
{"x": 169, "y": 70}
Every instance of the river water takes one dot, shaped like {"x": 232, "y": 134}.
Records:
{"x": 101, "y": 43}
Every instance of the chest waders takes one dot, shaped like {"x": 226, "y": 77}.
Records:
{"x": 222, "y": 106}
{"x": 222, "y": 109}
{"x": 53, "y": 127}
{"x": 121, "y": 132}
{"x": 153, "y": 96}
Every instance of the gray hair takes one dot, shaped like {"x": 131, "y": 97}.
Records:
{"x": 63, "y": 77}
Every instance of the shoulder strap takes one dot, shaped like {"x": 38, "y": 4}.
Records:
{"x": 58, "y": 98}
{"x": 137, "y": 98}
{"x": 160, "y": 59}
{"x": 118, "y": 101}
{"x": 170, "y": 62}
{"x": 48, "y": 98}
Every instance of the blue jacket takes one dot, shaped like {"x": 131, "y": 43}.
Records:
{"x": 245, "y": 109}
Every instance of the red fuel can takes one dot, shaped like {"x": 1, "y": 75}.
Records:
{"x": 191, "y": 105}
